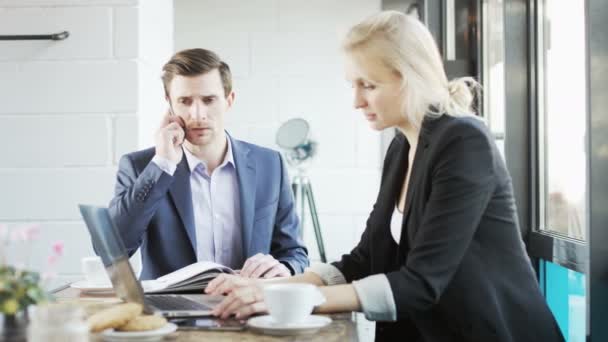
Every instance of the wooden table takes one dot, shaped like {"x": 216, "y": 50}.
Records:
{"x": 343, "y": 327}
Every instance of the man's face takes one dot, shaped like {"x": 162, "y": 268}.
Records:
{"x": 200, "y": 101}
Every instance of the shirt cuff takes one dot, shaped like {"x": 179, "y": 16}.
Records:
{"x": 376, "y": 297}
{"x": 164, "y": 164}
{"x": 330, "y": 274}
{"x": 289, "y": 267}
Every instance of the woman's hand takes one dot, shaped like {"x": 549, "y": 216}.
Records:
{"x": 245, "y": 296}
{"x": 242, "y": 302}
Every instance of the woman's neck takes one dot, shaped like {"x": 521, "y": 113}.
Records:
{"x": 411, "y": 134}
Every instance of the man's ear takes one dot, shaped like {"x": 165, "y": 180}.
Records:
{"x": 230, "y": 99}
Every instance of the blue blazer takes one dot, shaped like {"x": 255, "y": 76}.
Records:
{"x": 153, "y": 210}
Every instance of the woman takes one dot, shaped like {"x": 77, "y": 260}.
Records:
{"x": 441, "y": 258}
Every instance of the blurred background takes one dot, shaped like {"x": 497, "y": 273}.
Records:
{"x": 69, "y": 109}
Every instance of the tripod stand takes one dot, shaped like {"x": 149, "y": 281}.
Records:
{"x": 302, "y": 192}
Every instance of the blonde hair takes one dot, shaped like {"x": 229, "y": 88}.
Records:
{"x": 405, "y": 45}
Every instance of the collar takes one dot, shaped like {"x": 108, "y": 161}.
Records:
{"x": 194, "y": 161}
{"x": 425, "y": 136}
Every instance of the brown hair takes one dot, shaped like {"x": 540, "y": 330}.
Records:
{"x": 195, "y": 62}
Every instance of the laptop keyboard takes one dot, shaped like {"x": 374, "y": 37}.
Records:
{"x": 174, "y": 303}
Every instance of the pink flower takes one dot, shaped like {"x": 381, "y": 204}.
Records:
{"x": 58, "y": 248}
{"x": 32, "y": 232}
{"x": 26, "y": 233}
{"x": 56, "y": 252}
{"x": 52, "y": 259}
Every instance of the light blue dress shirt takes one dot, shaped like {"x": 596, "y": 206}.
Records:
{"x": 217, "y": 210}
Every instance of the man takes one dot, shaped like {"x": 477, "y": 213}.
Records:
{"x": 201, "y": 195}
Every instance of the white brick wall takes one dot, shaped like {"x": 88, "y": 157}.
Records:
{"x": 65, "y": 3}
{"x": 56, "y": 141}
{"x": 126, "y": 42}
{"x": 90, "y": 33}
{"x": 71, "y": 108}
{"x": 68, "y": 86}
{"x": 286, "y": 63}
{"x": 155, "y": 48}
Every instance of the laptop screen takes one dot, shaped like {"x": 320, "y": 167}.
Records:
{"x": 109, "y": 246}
{"x": 106, "y": 241}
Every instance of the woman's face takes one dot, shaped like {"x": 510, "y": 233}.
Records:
{"x": 377, "y": 91}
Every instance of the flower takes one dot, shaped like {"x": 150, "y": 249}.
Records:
{"x": 58, "y": 248}
{"x": 10, "y": 306}
{"x": 20, "y": 287}
{"x": 56, "y": 252}
{"x": 26, "y": 233}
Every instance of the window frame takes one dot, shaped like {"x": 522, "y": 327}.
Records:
{"x": 544, "y": 244}
{"x": 521, "y": 152}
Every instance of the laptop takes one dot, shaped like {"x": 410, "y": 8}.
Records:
{"x": 108, "y": 244}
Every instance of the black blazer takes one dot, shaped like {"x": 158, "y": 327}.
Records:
{"x": 460, "y": 271}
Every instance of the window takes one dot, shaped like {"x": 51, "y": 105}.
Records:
{"x": 562, "y": 117}
{"x": 493, "y": 76}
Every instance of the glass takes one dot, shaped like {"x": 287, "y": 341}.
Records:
{"x": 493, "y": 59}
{"x": 57, "y": 322}
{"x": 562, "y": 116}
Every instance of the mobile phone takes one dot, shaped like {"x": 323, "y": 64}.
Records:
{"x": 179, "y": 119}
{"x": 211, "y": 324}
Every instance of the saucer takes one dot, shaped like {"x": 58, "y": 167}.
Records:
{"x": 267, "y": 325}
{"x": 112, "y": 335}
{"x": 85, "y": 286}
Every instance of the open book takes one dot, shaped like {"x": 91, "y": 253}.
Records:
{"x": 192, "y": 278}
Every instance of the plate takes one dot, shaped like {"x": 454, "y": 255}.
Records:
{"x": 112, "y": 335}
{"x": 267, "y": 325}
{"x": 85, "y": 286}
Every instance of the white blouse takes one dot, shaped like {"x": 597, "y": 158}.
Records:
{"x": 396, "y": 223}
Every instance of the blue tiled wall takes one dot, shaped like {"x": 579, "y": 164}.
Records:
{"x": 564, "y": 290}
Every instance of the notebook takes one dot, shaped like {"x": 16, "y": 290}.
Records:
{"x": 191, "y": 278}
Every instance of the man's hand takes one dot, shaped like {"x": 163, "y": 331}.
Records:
{"x": 264, "y": 265}
{"x": 226, "y": 283}
{"x": 170, "y": 137}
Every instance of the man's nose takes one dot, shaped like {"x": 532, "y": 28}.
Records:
{"x": 199, "y": 111}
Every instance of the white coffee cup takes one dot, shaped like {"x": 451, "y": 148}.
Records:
{"x": 291, "y": 303}
{"x": 94, "y": 271}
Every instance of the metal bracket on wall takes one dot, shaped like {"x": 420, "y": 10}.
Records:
{"x": 55, "y": 36}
